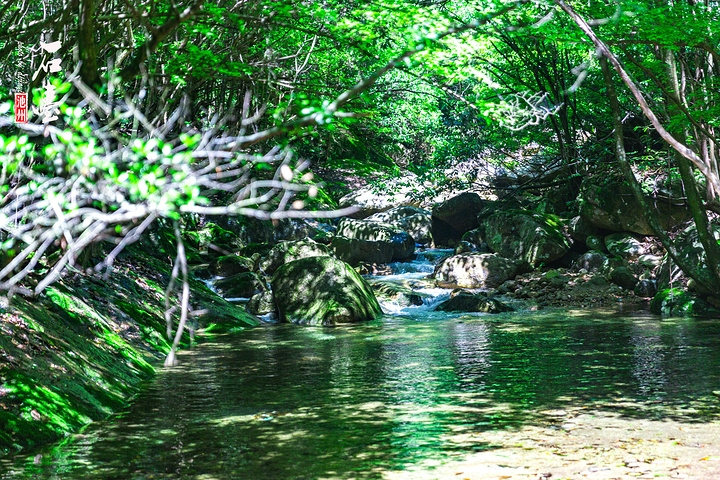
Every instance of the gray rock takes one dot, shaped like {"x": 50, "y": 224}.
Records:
{"x": 261, "y": 303}
{"x": 624, "y": 245}
{"x": 460, "y": 212}
{"x": 355, "y": 251}
{"x": 455, "y": 216}
{"x": 403, "y": 244}
{"x": 591, "y": 261}
{"x": 419, "y": 226}
{"x": 475, "y": 270}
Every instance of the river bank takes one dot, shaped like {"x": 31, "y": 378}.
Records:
{"x": 84, "y": 348}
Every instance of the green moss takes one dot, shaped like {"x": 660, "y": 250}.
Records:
{"x": 82, "y": 349}
{"x": 679, "y": 302}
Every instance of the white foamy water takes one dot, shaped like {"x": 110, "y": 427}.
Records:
{"x": 418, "y": 269}
{"x": 435, "y": 297}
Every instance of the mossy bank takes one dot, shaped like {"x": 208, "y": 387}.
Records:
{"x": 81, "y": 350}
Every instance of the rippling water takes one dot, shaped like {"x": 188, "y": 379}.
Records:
{"x": 282, "y": 401}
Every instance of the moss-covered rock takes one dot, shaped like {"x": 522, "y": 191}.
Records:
{"x": 261, "y": 303}
{"x": 679, "y": 302}
{"x": 322, "y": 291}
{"x": 403, "y": 295}
{"x": 240, "y": 285}
{"x": 289, "y": 251}
{"x": 623, "y": 276}
{"x": 526, "y": 236}
{"x": 213, "y": 239}
{"x": 609, "y": 203}
{"x": 229, "y": 265}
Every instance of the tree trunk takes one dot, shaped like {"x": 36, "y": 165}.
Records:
{"x": 695, "y": 203}
{"x": 650, "y": 213}
{"x": 89, "y": 73}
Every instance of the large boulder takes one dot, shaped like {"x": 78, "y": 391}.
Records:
{"x": 322, "y": 291}
{"x": 415, "y": 221}
{"x": 403, "y": 244}
{"x": 525, "y": 236}
{"x": 289, "y": 251}
{"x": 476, "y": 270}
{"x": 396, "y": 214}
{"x": 355, "y": 250}
{"x": 455, "y": 216}
{"x": 382, "y": 196}
{"x": 419, "y": 226}
{"x": 623, "y": 276}
{"x": 691, "y": 252}
{"x": 610, "y": 204}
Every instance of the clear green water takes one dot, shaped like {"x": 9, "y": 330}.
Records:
{"x": 282, "y": 402}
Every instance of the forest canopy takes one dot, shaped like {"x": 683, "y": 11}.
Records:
{"x": 145, "y": 112}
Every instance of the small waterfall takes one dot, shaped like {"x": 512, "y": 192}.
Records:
{"x": 409, "y": 277}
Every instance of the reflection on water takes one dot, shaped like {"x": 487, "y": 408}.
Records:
{"x": 296, "y": 402}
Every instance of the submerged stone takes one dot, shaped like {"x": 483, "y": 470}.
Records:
{"x": 471, "y": 302}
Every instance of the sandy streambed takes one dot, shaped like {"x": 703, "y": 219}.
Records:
{"x": 579, "y": 444}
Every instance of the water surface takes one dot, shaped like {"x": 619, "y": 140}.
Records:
{"x": 282, "y": 401}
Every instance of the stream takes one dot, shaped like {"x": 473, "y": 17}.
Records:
{"x": 414, "y": 391}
